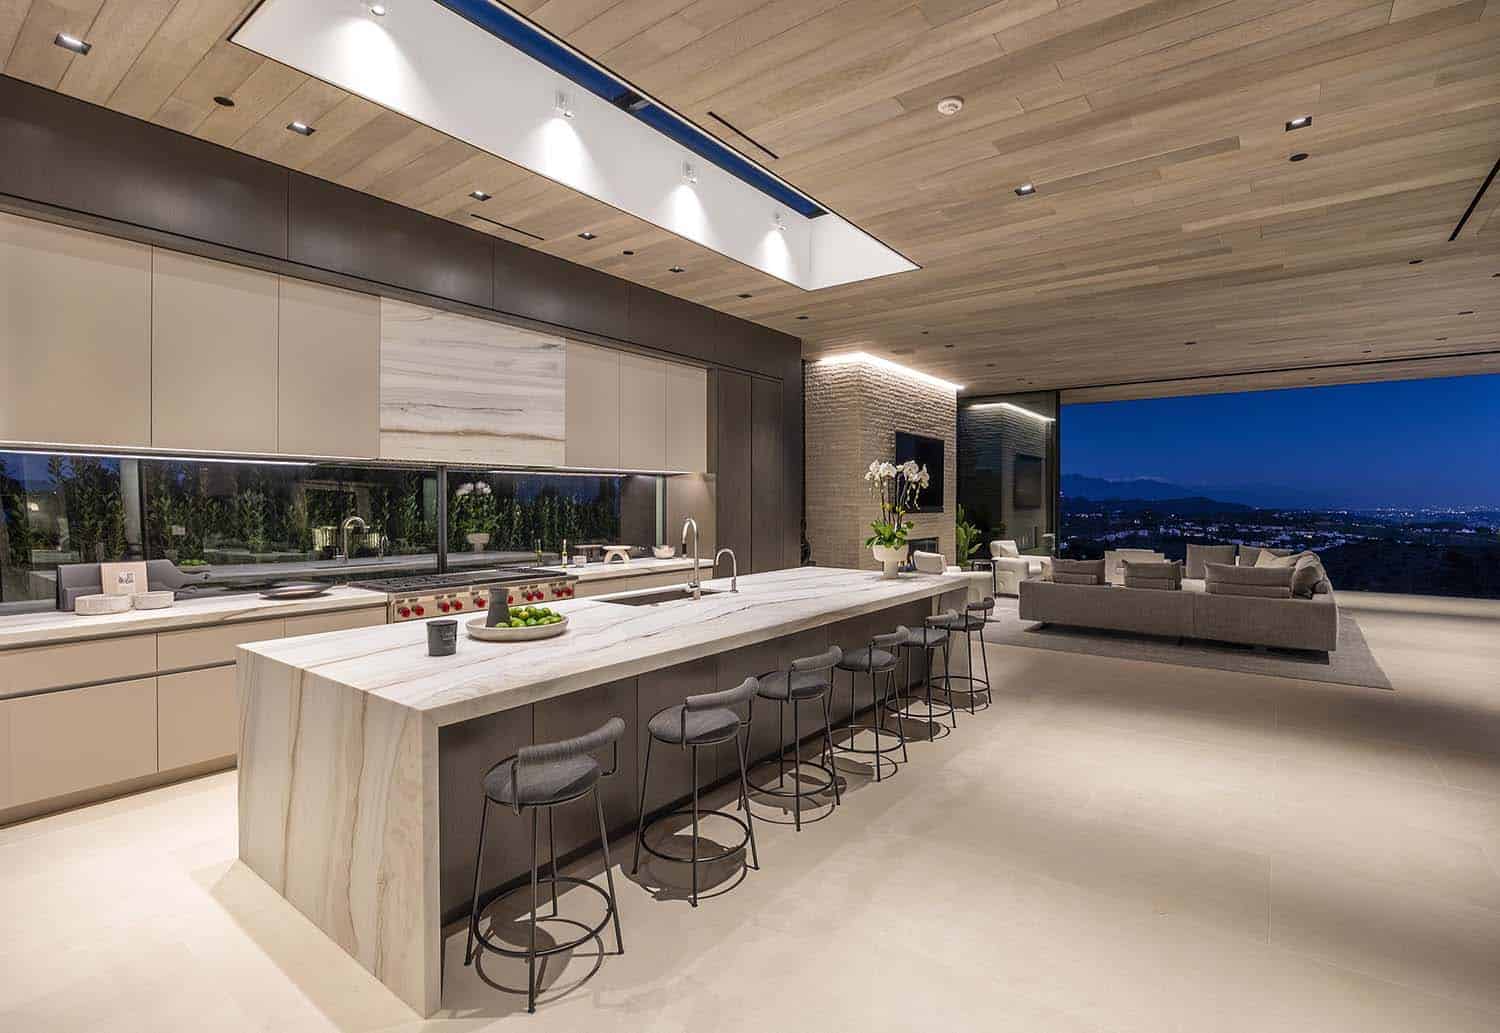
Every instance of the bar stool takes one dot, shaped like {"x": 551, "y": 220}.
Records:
{"x": 878, "y": 658}
{"x": 809, "y": 680}
{"x": 539, "y": 778}
{"x": 973, "y": 619}
{"x": 927, "y": 641}
{"x": 707, "y": 719}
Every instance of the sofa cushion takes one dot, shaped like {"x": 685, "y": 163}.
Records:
{"x": 1065, "y": 571}
{"x": 1004, "y": 547}
{"x": 1153, "y": 569}
{"x": 1253, "y": 556}
{"x": 1228, "y": 573}
{"x": 1308, "y": 575}
{"x": 1199, "y": 555}
{"x": 1166, "y": 584}
{"x": 1242, "y": 589}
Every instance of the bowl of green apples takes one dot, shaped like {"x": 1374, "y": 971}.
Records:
{"x": 527, "y": 623}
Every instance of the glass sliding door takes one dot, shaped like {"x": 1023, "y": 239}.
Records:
{"x": 1007, "y": 468}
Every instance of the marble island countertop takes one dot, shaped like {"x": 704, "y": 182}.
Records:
{"x": 605, "y": 641}
{"x": 635, "y": 568}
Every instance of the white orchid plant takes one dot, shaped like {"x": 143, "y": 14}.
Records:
{"x": 897, "y": 485}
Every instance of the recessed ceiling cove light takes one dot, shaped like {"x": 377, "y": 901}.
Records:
{"x": 949, "y": 106}
{"x": 1301, "y": 122}
{"x": 480, "y": 195}
{"x": 301, "y": 128}
{"x": 73, "y": 43}
{"x": 1025, "y": 190}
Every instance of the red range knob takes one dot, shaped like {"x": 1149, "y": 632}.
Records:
{"x": 479, "y": 600}
{"x": 510, "y": 597}
{"x": 418, "y": 610}
{"x": 405, "y": 611}
{"x": 443, "y": 606}
{"x": 458, "y": 604}
{"x": 568, "y": 591}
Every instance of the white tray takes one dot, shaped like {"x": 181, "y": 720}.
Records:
{"x": 476, "y": 629}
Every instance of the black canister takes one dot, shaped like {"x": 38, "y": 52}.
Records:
{"x": 499, "y": 616}
{"x": 442, "y": 638}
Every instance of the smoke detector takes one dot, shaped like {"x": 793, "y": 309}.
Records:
{"x": 950, "y": 105}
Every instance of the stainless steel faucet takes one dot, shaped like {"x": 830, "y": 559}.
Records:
{"x": 734, "y": 568}
{"x": 344, "y": 528}
{"x": 695, "y": 584}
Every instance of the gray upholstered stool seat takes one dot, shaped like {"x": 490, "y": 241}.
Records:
{"x": 867, "y": 658}
{"x": 786, "y": 685}
{"x": 973, "y": 619}
{"x": 700, "y": 726}
{"x": 538, "y": 785}
{"x": 926, "y": 638}
{"x": 959, "y": 622}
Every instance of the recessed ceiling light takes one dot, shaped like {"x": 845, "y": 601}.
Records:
{"x": 1188, "y": 344}
{"x": 378, "y": 10}
{"x": 586, "y": 235}
{"x": 563, "y": 104}
{"x": 689, "y": 172}
{"x": 1301, "y": 122}
{"x": 1440, "y": 338}
{"x": 947, "y": 346}
{"x": 627, "y": 252}
{"x": 1299, "y": 156}
{"x": 677, "y": 269}
{"x": 801, "y": 317}
{"x": 480, "y": 195}
{"x": 1025, "y": 190}
{"x": 73, "y": 43}
{"x": 301, "y": 128}
{"x": 224, "y": 102}
{"x": 950, "y": 106}
{"x": 745, "y": 295}
{"x": 1366, "y": 351}
{"x": 1467, "y": 312}
{"x": 1418, "y": 261}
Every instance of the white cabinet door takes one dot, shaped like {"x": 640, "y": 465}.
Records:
{"x": 593, "y": 407}
{"x": 197, "y": 717}
{"x": 328, "y": 373}
{"x": 213, "y": 355}
{"x": 687, "y": 418}
{"x": 643, "y": 413}
{"x": 75, "y": 336}
{"x": 65, "y": 742}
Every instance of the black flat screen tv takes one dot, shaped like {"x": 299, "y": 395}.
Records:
{"x": 927, "y": 452}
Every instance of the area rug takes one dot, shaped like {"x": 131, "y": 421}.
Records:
{"x": 1351, "y": 664}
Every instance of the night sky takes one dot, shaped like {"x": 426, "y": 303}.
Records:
{"x": 1400, "y": 443}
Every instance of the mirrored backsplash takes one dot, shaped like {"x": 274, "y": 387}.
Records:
{"x": 252, "y": 523}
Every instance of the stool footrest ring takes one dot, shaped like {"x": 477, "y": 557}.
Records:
{"x": 702, "y": 858}
{"x": 822, "y": 787}
{"x": 878, "y": 732}
{"x": 561, "y": 880}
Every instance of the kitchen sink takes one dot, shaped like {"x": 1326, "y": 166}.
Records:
{"x": 675, "y": 594}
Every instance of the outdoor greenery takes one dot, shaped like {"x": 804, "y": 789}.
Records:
{"x": 968, "y": 537}
{"x": 516, "y": 511}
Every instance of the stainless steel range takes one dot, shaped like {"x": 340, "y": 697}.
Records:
{"x": 433, "y": 595}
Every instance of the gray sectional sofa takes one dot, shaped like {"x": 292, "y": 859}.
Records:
{"x": 1193, "y": 611}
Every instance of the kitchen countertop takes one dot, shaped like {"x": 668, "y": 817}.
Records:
{"x": 605, "y": 642}
{"x": 52, "y": 626}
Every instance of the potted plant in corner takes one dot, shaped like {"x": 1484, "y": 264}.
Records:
{"x": 897, "y": 487}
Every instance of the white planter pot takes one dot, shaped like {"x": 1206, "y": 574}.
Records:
{"x": 890, "y": 559}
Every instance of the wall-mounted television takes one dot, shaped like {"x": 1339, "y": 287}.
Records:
{"x": 1027, "y": 481}
{"x": 927, "y": 452}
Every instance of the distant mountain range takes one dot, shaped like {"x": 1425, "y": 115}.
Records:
{"x": 1149, "y": 489}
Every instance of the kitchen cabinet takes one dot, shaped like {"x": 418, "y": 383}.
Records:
{"x": 199, "y": 647}
{"x": 687, "y": 418}
{"x": 735, "y": 504}
{"x": 593, "y": 407}
{"x": 77, "y": 739}
{"x": 643, "y": 412}
{"x": 766, "y": 465}
{"x": 213, "y": 355}
{"x": 327, "y": 371}
{"x": 6, "y": 797}
{"x": 76, "y": 663}
{"x": 318, "y": 623}
{"x": 197, "y": 717}
{"x": 75, "y": 336}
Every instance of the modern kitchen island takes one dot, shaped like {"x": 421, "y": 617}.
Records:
{"x": 361, "y": 756}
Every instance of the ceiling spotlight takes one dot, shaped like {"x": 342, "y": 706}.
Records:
{"x": 689, "y": 172}
{"x": 73, "y": 43}
{"x": 677, "y": 269}
{"x": 586, "y": 235}
{"x": 480, "y": 195}
{"x": 950, "y": 106}
{"x": 1467, "y": 312}
{"x": 627, "y": 252}
{"x": 948, "y": 346}
{"x": 224, "y": 102}
{"x": 1301, "y": 122}
{"x": 1025, "y": 190}
{"x": 1299, "y": 156}
{"x": 745, "y": 295}
{"x": 378, "y": 10}
{"x": 801, "y": 317}
{"x": 777, "y": 222}
{"x": 301, "y": 128}
{"x": 563, "y": 105}
{"x": 1188, "y": 344}
{"x": 1418, "y": 261}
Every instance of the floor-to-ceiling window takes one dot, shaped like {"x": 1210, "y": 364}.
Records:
{"x": 1396, "y": 484}
{"x": 1007, "y": 468}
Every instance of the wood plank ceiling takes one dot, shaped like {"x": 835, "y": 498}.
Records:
{"x": 1169, "y": 235}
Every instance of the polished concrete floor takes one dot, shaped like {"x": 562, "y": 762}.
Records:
{"x": 1115, "y": 845}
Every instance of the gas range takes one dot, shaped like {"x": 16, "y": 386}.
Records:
{"x": 433, "y": 595}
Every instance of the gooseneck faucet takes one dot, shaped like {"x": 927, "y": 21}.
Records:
{"x": 344, "y": 528}
{"x": 734, "y": 568}
{"x": 694, "y": 585}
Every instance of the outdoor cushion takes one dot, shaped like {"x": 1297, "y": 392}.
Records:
{"x": 1199, "y": 555}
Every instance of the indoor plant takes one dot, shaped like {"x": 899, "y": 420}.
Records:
{"x": 897, "y": 487}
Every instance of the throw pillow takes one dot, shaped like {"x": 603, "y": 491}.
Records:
{"x": 1076, "y": 579}
{"x": 1199, "y": 555}
{"x": 1254, "y": 591}
{"x": 1307, "y": 575}
{"x": 1274, "y": 577}
{"x": 1254, "y": 556}
{"x": 1153, "y": 569}
{"x": 1093, "y": 569}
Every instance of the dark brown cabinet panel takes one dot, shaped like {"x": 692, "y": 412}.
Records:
{"x": 767, "y": 465}
{"x": 577, "y": 824}
{"x": 732, "y": 462}
{"x": 543, "y": 287}
{"x": 672, "y": 766}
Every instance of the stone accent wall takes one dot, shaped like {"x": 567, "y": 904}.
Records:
{"x": 853, "y": 410}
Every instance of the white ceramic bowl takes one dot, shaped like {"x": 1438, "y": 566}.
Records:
{"x": 476, "y": 629}
{"x": 664, "y": 552}
{"x": 97, "y": 605}
{"x": 152, "y": 600}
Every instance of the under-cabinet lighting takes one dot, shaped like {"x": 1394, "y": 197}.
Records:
{"x": 894, "y": 367}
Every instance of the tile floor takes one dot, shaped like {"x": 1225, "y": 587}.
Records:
{"x": 1114, "y": 846}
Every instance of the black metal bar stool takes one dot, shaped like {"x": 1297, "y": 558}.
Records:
{"x": 972, "y": 620}
{"x": 927, "y": 641}
{"x": 539, "y": 778}
{"x": 809, "y": 680}
{"x": 878, "y": 658}
{"x": 707, "y": 719}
